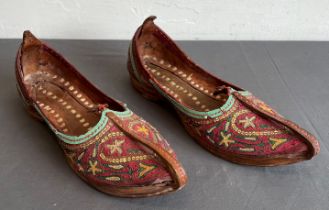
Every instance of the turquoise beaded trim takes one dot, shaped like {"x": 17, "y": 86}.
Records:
{"x": 202, "y": 115}
{"x": 91, "y": 133}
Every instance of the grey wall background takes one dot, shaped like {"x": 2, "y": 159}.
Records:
{"x": 183, "y": 19}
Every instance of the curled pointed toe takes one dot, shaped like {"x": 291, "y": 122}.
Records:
{"x": 225, "y": 119}
{"x": 104, "y": 142}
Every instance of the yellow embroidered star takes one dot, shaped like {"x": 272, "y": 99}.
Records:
{"x": 247, "y": 122}
{"x": 116, "y": 146}
{"x": 93, "y": 168}
{"x": 226, "y": 139}
{"x": 143, "y": 129}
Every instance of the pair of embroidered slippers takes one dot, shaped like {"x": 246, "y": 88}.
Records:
{"x": 119, "y": 153}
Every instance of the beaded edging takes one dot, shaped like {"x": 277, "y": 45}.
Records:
{"x": 91, "y": 133}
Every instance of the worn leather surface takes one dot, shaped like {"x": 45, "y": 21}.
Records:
{"x": 258, "y": 135}
{"x": 34, "y": 175}
{"x": 106, "y": 144}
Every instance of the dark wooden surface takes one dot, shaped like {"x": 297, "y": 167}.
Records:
{"x": 293, "y": 77}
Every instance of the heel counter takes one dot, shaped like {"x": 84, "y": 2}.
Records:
{"x": 139, "y": 80}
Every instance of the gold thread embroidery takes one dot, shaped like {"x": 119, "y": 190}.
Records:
{"x": 110, "y": 135}
{"x": 226, "y": 139}
{"x": 117, "y": 167}
{"x": 116, "y": 146}
{"x": 251, "y": 133}
{"x": 248, "y": 122}
{"x": 144, "y": 169}
{"x": 113, "y": 178}
{"x": 250, "y": 138}
{"x": 247, "y": 149}
{"x": 93, "y": 168}
{"x": 143, "y": 129}
{"x": 277, "y": 142}
{"x": 125, "y": 159}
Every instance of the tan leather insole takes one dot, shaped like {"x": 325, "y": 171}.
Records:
{"x": 59, "y": 98}
{"x": 182, "y": 87}
{"x": 65, "y": 112}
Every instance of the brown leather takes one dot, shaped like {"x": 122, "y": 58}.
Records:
{"x": 170, "y": 51}
{"x": 41, "y": 65}
{"x": 160, "y": 70}
{"x": 54, "y": 91}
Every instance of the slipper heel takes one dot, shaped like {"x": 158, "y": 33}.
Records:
{"x": 29, "y": 107}
{"x": 146, "y": 90}
{"x": 33, "y": 113}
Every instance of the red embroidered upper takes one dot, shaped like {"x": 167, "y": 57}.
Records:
{"x": 115, "y": 158}
{"x": 242, "y": 131}
{"x": 226, "y": 120}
